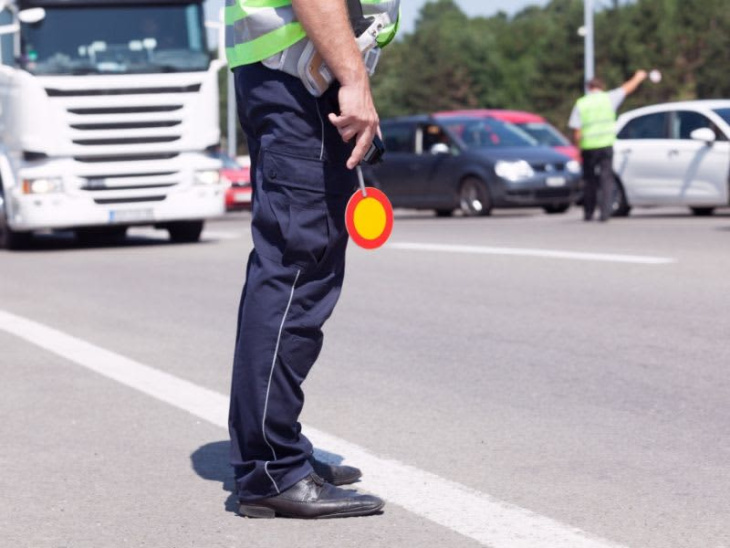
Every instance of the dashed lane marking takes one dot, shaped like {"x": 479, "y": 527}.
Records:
{"x": 471, "y": 513}
{"x": 534, "y": 253}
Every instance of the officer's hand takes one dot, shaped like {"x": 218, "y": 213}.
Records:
{"x": 357, "y": 120}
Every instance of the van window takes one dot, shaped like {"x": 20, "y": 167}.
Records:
{"x": 649, "y": 126}
{"x": 399, "y": 137}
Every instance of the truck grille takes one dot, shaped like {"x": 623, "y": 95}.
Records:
{"x": 124, "y": 141}
{"x": 51, "y": 92}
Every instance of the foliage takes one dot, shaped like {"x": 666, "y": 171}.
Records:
{"x": 534, "y": 60}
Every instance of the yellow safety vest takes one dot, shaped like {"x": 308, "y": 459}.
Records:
{"x": 598, "y": 121}
{"x": 258, "y": 29}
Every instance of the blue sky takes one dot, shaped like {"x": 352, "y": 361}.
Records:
{"x": 410, "y": 8}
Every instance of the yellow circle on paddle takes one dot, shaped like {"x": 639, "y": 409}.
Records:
{"x": 370, "y": 218}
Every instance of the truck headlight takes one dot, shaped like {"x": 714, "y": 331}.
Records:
{"x": 514, "y": 171}
{"x": 44, "y": 185}
{"x": 207, "y": 177}
{"x": 573, "y": 167}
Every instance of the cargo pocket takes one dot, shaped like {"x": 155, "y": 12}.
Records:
{"x": 296, "y": 193}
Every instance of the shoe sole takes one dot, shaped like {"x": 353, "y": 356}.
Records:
{"x": 264, "y": 512}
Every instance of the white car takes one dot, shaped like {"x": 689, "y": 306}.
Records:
{"x": 674, "y": 154}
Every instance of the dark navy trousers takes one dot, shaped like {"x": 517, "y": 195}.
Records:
{"x": 294, "y": 274}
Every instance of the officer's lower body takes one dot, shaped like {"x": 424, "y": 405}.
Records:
{"x": 294, "y": 274}
{"x": 598, "y": 174}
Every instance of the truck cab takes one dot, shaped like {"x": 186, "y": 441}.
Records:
{"x": 108, "y": 118}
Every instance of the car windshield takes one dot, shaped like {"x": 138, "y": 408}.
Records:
{"x": 724, "y": 113}
{"x": 544, "y": 133}
{"x": 134, "y": 38}
{"x": 488, "y": 133}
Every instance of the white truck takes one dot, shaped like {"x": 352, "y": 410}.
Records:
{"x": 108, "y": 119}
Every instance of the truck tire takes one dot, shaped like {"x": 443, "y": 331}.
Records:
{"x": 101, "y": 235}
{"x": 9, "y": 238}
{"x": 185, "y": 231}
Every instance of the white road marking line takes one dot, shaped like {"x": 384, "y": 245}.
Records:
{"x": 471, "y": 513}
{"x": 538, "y": 253}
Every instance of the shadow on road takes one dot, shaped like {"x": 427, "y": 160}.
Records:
{"x": 211, "y": 462}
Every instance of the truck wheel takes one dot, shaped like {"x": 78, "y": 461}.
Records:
{"x": 101, "y": 235}
{"x": 474, "y": 199}
{"x": 185, "y": 231}
{"x": 702, "y": 211}
{"x": 9, "y": 238}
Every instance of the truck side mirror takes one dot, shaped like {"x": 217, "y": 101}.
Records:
{"x": 704, "y": 134}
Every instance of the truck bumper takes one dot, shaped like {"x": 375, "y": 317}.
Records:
{"x": 63, "y": 211}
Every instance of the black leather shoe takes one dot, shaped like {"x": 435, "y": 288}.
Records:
{"x": 334, "y": 474}
{"x": 313, "y": 498}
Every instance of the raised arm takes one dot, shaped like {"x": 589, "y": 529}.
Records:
{"x": 631, "y": 85}
{"x": 327, "y": 24}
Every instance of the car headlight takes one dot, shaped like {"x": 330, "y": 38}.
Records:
{"x": 573, "y": 167}
{"x": 514, "y": 171}
{"x": 207, "y": 177}
{"x": 44, "y": 185}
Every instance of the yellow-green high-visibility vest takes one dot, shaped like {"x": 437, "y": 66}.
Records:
{"x": 598, "y": 121}
{"x": 258, "y": 29}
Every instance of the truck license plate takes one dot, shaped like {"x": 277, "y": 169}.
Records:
{"x": 555, "y": 181}
{"x": 130, "y": 215}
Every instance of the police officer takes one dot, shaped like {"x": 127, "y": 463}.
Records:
{"x": 593, "y": 122}
{"x": 303, "y": 151}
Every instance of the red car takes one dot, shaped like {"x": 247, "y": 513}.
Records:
{"x": 238, "y": 177}
{"x": 534, "y": 125}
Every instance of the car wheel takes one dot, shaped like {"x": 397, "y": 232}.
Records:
{"x": 9, "y": 238}
{"x": 474, "y": 199}
{"x": 703, "y": 211}
{"x": 185, "y": 231}
{"x": 556, "y": 209}
{"x": 444, "y": 212}
{"x": 621, "y": 207}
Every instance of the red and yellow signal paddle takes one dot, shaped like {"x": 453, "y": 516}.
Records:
{"x": 369, "y": 216}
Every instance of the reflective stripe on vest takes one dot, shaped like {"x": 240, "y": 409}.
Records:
{"x": 598, "y": 121}
{"x": 258, "y": 29}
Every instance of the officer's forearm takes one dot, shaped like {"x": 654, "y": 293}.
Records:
{"x": 327, "y": 24}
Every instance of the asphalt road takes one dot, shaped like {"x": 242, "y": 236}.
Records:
{"x": 562, "y": 370}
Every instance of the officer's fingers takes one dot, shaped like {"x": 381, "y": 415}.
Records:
{"x": 347, "y": 133}
{"x": 337, "y": 121}
{"x": 362, "y": 145}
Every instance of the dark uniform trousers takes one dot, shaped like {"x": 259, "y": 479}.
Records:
{"x": 598, "y": 173}
{"x": 294, "y": 275}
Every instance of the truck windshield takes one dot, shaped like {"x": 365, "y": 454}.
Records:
{"x": 134, "y": 38}
{"x": 488, "y": 133}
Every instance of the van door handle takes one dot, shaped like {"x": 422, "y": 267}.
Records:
{"x": 673, "y": 152}
{"x": 625, "y": 151}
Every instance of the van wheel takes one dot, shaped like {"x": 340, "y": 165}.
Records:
{"x": 185, "y": 232}
{"x": 621, "y": 206}
{"x": 703, "y": 211}
{"x": 556, "y": 209}
{"x": 474, "y": 199}
{"x": 444, "y": 212}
